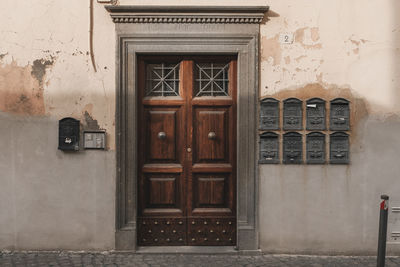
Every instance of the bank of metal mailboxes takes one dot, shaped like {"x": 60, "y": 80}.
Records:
{"x": 315, "y": 138}
{"x": 68, "y": 134}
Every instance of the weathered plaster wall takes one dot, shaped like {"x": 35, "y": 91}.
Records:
{"x": 345, "y": 49}
{"x": 50, "y": 199}
{"x": 55, "y": 200}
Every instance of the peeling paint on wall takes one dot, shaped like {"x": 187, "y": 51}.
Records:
{"x": 39, "y": 68}
{"x": 2, "y": 56}
{"x": 270, "y": 48}
{"x": 20, "y": 92}
{"x": 308, "y": 38}
{"x": 91, "y": 123}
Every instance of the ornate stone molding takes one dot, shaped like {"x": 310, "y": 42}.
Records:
{"x": 187, "y": 14}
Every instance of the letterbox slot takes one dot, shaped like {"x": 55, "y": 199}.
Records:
{"x": 315, "y": 146}
{"x": 68, "y": 134}
{"x": 269, "y": 148}
{"x": 292, "y": 114}
{"x": 292, "y": 148}
{"x": 315, "y": 114}
{"x": 269, "y": 114}
{"x": 340, "y": 115}
{"x": 339, "y": 148}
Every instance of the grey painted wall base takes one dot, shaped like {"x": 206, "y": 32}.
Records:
{"x": 334, "y": 209}
{"x": 240, "y": 40}
{"x": 49, "y": 199}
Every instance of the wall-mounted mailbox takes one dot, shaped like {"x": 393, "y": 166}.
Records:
{"x": 340, "y": 115}
{"x": 394, "y": 222}
{"x": 315, "y": 114}
{"x": 269, "y": 148}
{"x": 292, "y": 148}
{"x": 292, "y": 114}
{"x": 315, "y": 146}
{"x": 339, "y": 148}
{"x": 269, "y": 114}
{"x": 94, "y": 139}
{"x": 68, "y": 134}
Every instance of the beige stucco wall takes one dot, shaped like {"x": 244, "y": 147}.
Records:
{"x": 345, "y": 49}
{"x": 55, "y": 200}
{"x": 50, "y": 199}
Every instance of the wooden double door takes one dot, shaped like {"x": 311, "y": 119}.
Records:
{"x": 187, "y": 150}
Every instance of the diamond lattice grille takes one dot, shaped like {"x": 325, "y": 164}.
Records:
{"x": 162, "y": 80}
{"x": 212, "y": 79}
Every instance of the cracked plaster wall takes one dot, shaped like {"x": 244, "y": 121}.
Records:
{"x": 50, "y": 199}
{"x": 345, "y": 49}
{"x": 341, "y": 48}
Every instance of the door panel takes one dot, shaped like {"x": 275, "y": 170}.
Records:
{"x": 210, "y": 191}
{"x": 212, "y": 194}
{"x": 187, "y": 150}
{"x": 210, "y": 134}
{"x": 162, "y": 137}
{"x": 163, "y": 190}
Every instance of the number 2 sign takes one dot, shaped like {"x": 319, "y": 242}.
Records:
{"x": 286, "y": 38}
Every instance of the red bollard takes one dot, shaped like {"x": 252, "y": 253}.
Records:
{"x": 383, "y": 220}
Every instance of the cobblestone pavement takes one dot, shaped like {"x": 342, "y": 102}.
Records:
{"x": 129, "y": 259}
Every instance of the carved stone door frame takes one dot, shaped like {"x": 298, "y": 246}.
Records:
{"x": 194, "y": 31}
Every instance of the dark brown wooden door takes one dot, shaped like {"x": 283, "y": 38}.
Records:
{"x": 187, "y": 150}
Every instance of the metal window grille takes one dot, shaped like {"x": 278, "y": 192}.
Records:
{"x": 212, "y": 79}
{"x": 162, "y": 79}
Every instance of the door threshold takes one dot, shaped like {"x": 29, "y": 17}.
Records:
{"x": 188, "y": 250}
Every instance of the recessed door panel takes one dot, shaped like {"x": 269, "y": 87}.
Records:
{"x": 161, "y": 134}
{"x": 162, "y": 194}
{"x": 210, "y": 134}
{"x": 163, "y": 190}
{"x": 210, "y": 191}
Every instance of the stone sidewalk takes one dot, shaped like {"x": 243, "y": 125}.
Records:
{"x": 130, "y": 259}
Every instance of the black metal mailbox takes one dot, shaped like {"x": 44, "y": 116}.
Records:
{"x": 292, "y": 148}
{"x": 269, "y": 114}
{"x": 269, "y": 148}
{"x": 340, "y": 115}
{"x": 315, "y": 146}
{"x": 292, "y": 114}
{"x": 315, "y": 114}
{"x": 68, "y": 134}
{"x": 339, "y": 148}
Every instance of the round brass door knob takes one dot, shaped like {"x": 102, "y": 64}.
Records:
{"x": 162, "y": 135}
{"x": 212, "y": 135}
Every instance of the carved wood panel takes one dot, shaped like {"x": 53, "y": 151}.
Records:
{"x": 212, "y": 193}
{"x": 210, "y": 134}
{"x": 162, "y": 137}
